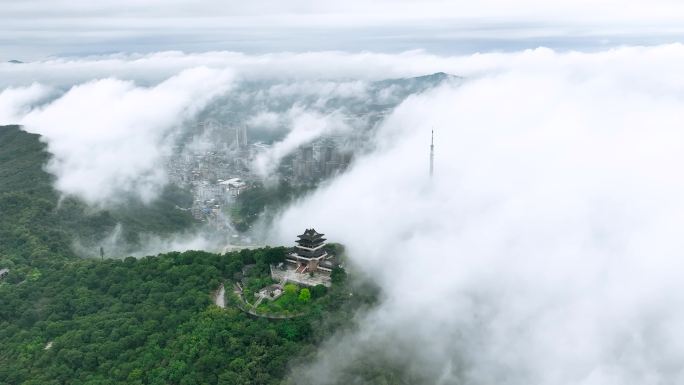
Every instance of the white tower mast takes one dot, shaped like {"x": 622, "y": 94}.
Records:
{"x": 432, "y": 153}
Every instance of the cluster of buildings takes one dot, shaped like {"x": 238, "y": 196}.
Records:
{"x": 219, "y": 175}
{"x": 318, "y": 161}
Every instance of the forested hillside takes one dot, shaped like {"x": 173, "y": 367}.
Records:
{"x": 30, "y": 231}
{"x": 69, "y": 320}
{"x": 151, "y": 321}
{"x": 22, "y": 157}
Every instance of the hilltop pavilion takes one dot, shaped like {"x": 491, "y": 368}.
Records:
{"x": 307, "y": 262}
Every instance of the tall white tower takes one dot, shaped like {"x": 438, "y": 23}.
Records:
{"x": 432, "y": 153}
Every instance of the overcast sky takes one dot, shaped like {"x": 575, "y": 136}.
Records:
{"x": 34, "y": 29}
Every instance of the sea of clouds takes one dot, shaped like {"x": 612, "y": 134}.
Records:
{"x": 545, "y": 249}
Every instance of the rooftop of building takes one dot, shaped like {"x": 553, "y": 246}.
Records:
{"x": 311, "y": 235}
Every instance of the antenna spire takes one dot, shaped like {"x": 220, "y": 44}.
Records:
{"x": 432, "y": 153}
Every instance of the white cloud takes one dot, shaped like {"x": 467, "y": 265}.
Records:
{"x": 265, "y": 120}
{"x": 108, "y": 137}
{"x": 546, "y": 249}
{"x": 17, "y": 101}
{"x": 305, "y": 127}
{"x": 315, "y": 67}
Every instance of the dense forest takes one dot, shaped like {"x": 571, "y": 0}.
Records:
{"x": 151, "y": 321}
{"x": 68, "y": 320}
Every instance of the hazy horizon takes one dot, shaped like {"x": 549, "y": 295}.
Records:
{"x": 36, "y": 29}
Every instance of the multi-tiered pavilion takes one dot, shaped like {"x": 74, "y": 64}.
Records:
{"x": 307, "y": 263}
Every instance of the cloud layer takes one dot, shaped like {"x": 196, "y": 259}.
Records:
{"x": 109, "y": 137}
{"x": 545, "y": 250}
{"x": 15, "y": 102}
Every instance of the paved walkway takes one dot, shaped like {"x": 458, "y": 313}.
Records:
{"x": 305, "y": 279}
{"x": 251, "y": 309}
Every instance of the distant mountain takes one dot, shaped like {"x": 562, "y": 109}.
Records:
{"x": 364, "y": 103}
{"x": 419, "y": 83}
{"x": 16, "y": 62}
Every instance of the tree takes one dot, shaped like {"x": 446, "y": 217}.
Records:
{"x": 275, "y": 255}
{"x": 304, "y": 295}
{"x": 290, "y": 289}
{"x": 338, "y": 275}
{"x": 318, "y": 291}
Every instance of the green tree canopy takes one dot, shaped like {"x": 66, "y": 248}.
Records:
{"x": 304, "y": 295}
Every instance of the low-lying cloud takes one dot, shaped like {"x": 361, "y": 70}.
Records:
{"x": 108, "y": 137}
{"x": 15, "y": 102}
{"x": 305, "y": 126}
{"x": 545, "y": 250}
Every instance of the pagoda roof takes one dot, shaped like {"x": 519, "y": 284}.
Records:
{"x": 310, "y": 235}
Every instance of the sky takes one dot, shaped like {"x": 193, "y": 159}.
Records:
{"x": 35, "y": 29}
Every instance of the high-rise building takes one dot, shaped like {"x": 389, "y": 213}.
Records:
{"x": 325, "y": 160}
{"x": 241, "y": 136}
{"x": 306, "y": 165}
{"x": 209, "y": 125}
